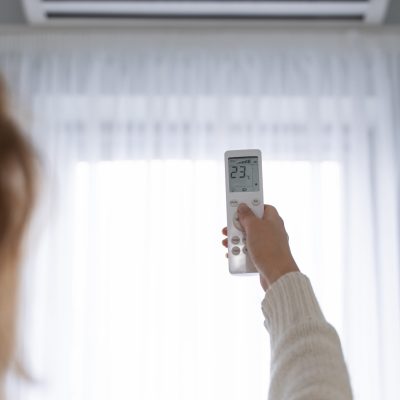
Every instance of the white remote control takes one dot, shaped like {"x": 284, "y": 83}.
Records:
{"x": 243, "y": 180}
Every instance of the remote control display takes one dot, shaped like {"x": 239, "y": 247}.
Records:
{"x": 243, "y": 174}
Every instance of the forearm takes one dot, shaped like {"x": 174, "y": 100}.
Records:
{"x": 306, "y": 356}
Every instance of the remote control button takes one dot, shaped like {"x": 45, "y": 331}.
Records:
{"x": 236, "y": 222}
{"x": 235, "y": 251}
{"x": 235, "y": 240}
{"x": 245, "y": 250}
{"x": 256, "y": 202}
{"x": 234, "y": 203}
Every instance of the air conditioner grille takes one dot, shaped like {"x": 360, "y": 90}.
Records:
{"x": 47, "y": 11}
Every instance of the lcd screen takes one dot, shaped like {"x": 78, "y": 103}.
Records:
{"x": 243, "y": 174}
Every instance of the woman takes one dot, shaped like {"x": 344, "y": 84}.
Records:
{"x": 17, "y": 192}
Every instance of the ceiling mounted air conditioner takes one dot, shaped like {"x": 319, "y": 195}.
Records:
{"x": 95, "y": 12}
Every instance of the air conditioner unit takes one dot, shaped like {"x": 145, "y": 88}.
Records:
{"x": 62, "y": 12}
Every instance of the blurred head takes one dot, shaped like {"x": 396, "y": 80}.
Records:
{"x": 17, "y": 191}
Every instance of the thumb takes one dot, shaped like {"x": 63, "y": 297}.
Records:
{"x": 246, "y": 215}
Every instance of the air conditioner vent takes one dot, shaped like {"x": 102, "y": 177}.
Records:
{"x": 67, "y": 11}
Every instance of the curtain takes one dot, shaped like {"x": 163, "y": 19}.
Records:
{"x": 126, "y": 292}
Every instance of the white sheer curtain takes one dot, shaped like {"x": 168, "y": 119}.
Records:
{"x": 126, "y": 291}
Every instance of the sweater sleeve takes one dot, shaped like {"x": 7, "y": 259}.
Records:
{"x": 306, "y": 356}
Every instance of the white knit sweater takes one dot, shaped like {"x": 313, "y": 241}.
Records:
{"x": 306, "y": 356}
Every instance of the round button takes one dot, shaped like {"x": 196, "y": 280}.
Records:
{"x": 245, "y": 250}
{"x": 256, "y": 202}
{"x": 235, "y": 240}
{"x": 235, "y": 251}
{"x": 236, "y": 222}
{"x": 234, "y": 203}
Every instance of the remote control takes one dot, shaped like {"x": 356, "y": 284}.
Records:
{"x": 243, "y": 180}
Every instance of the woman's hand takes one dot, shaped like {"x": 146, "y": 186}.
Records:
{"x": 267, "y": 243}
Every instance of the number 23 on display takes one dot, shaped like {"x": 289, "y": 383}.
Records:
{"x": 242, "y": 171}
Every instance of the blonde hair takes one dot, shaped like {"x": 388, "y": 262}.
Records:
{"x": 17, "y": 193}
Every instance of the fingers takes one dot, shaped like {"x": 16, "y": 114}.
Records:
{"x": 225, "y": 241}
{"x": 270, "y": 212}
{"x": 246, "y": 215}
